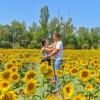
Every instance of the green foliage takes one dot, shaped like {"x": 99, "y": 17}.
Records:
{"x": 17, "y": 35}
{"x": 5, "y": 44}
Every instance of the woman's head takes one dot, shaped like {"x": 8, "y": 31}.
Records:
{"x": 44, "y": 42}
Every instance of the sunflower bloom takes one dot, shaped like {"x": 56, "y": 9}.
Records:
{"x": 68, "y": 90}
{"x": 46, "y": 71}
{"x": 11, "y": 95}
{"x": 30, "y": 75}
{"x": 84, "y": 75}
{"x": 30, "y": 87}
{"x": 15, "y": 77}
{"x": 59, "y": 73}
{"x": 79, "y": 97}
{"x": 98, "y": 78}
{"x": 6, "y": 75}
{"x": 9, "y": 65}
{"x": 74, "y": 71}
{"x": 5, "y": 85}
{"x": 89, "y": 87}
{"x": 51, "y": 97}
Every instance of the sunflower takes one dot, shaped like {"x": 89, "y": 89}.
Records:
{"x": 42, "y": 67}
{"x": 14, "y": 61}
{"x": 73, "y": 71}
{"x": 68, "y": 90}
{"x": 6, "y": 75}
{"x": 84, "y": 75}
{"x": 59, "y": 73}
{"x": 67, "y": 69}
{"x": 30, "y": 75}
{"x": 30, "y": 87}
{"x": 79, "y": 97}
{"x": 15, "y": 77}
{"x": 92, "y": 98}
{"x": 46, "y": 71}
{"x": 5, "y": 85}
{"x": 9, "y": 65}
{"x": 98, "y": 78}
{"x": 19, "y": 65}
{"x": 62, "y": 66}
{"x": 92, "y": 73}
{"x": 14, "y": 70}
{"x": 51, "y": 97}
{"x": 6, "y": 96}
{"x": 11, "y": 95}
{"x": 89, "y": 87}
{"x": 14, "y": 95}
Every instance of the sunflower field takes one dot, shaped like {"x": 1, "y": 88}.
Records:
{"x": 23, "y": 77}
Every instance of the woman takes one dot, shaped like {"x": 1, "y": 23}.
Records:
{"x": 46, "y": 49}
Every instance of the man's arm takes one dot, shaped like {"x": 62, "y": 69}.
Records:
{"x": 51, "y": 46}
{"x": 49, "y": 49}
{"x": 57, "y": 48}
{"x": 53, "y": 52}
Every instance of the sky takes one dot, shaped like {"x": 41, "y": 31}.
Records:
{"x": 83, "y": 12}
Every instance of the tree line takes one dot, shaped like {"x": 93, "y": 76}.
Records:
{"x": 17, "y": 35}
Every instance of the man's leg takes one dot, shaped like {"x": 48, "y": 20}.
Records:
{"x": 56, "y": 67}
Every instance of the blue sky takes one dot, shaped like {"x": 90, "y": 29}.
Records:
{"x": 84, "y": 12}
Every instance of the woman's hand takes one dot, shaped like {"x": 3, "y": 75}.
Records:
{"x": 45, "y": 57}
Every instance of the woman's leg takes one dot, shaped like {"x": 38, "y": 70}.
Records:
{"x": 43, "y": 60}
{"x": 49, "y": 61}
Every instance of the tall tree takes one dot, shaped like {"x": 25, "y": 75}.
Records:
{"x": 54, "y": 25}
{"x": 44, "y": 16}
{"x": 95, "y": 33}
{"x": 18, "y": 29}
{"x": 69, "y": 38}
{"x": 84, "y": 38}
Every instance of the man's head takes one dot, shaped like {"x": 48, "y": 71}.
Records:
{"x": 56, "y": 36}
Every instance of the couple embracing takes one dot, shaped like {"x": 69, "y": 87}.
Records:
{"x": 54, "y": 50}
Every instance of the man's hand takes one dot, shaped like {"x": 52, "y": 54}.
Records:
{"x": 51, "y": 54}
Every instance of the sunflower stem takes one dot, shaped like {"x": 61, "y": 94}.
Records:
{"x": 63, "y": 83}
{"x": 43, "y": 88}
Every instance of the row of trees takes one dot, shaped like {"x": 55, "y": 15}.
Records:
{"x": 17, "y": 35}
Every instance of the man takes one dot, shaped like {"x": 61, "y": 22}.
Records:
{"x": 57, "y": 54}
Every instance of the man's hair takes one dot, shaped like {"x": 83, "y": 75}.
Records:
{"x": 43, "y": 42}
{"x": 56, "y": 34}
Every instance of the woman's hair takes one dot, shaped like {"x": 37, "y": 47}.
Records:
{"x": 43, "y": 42}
